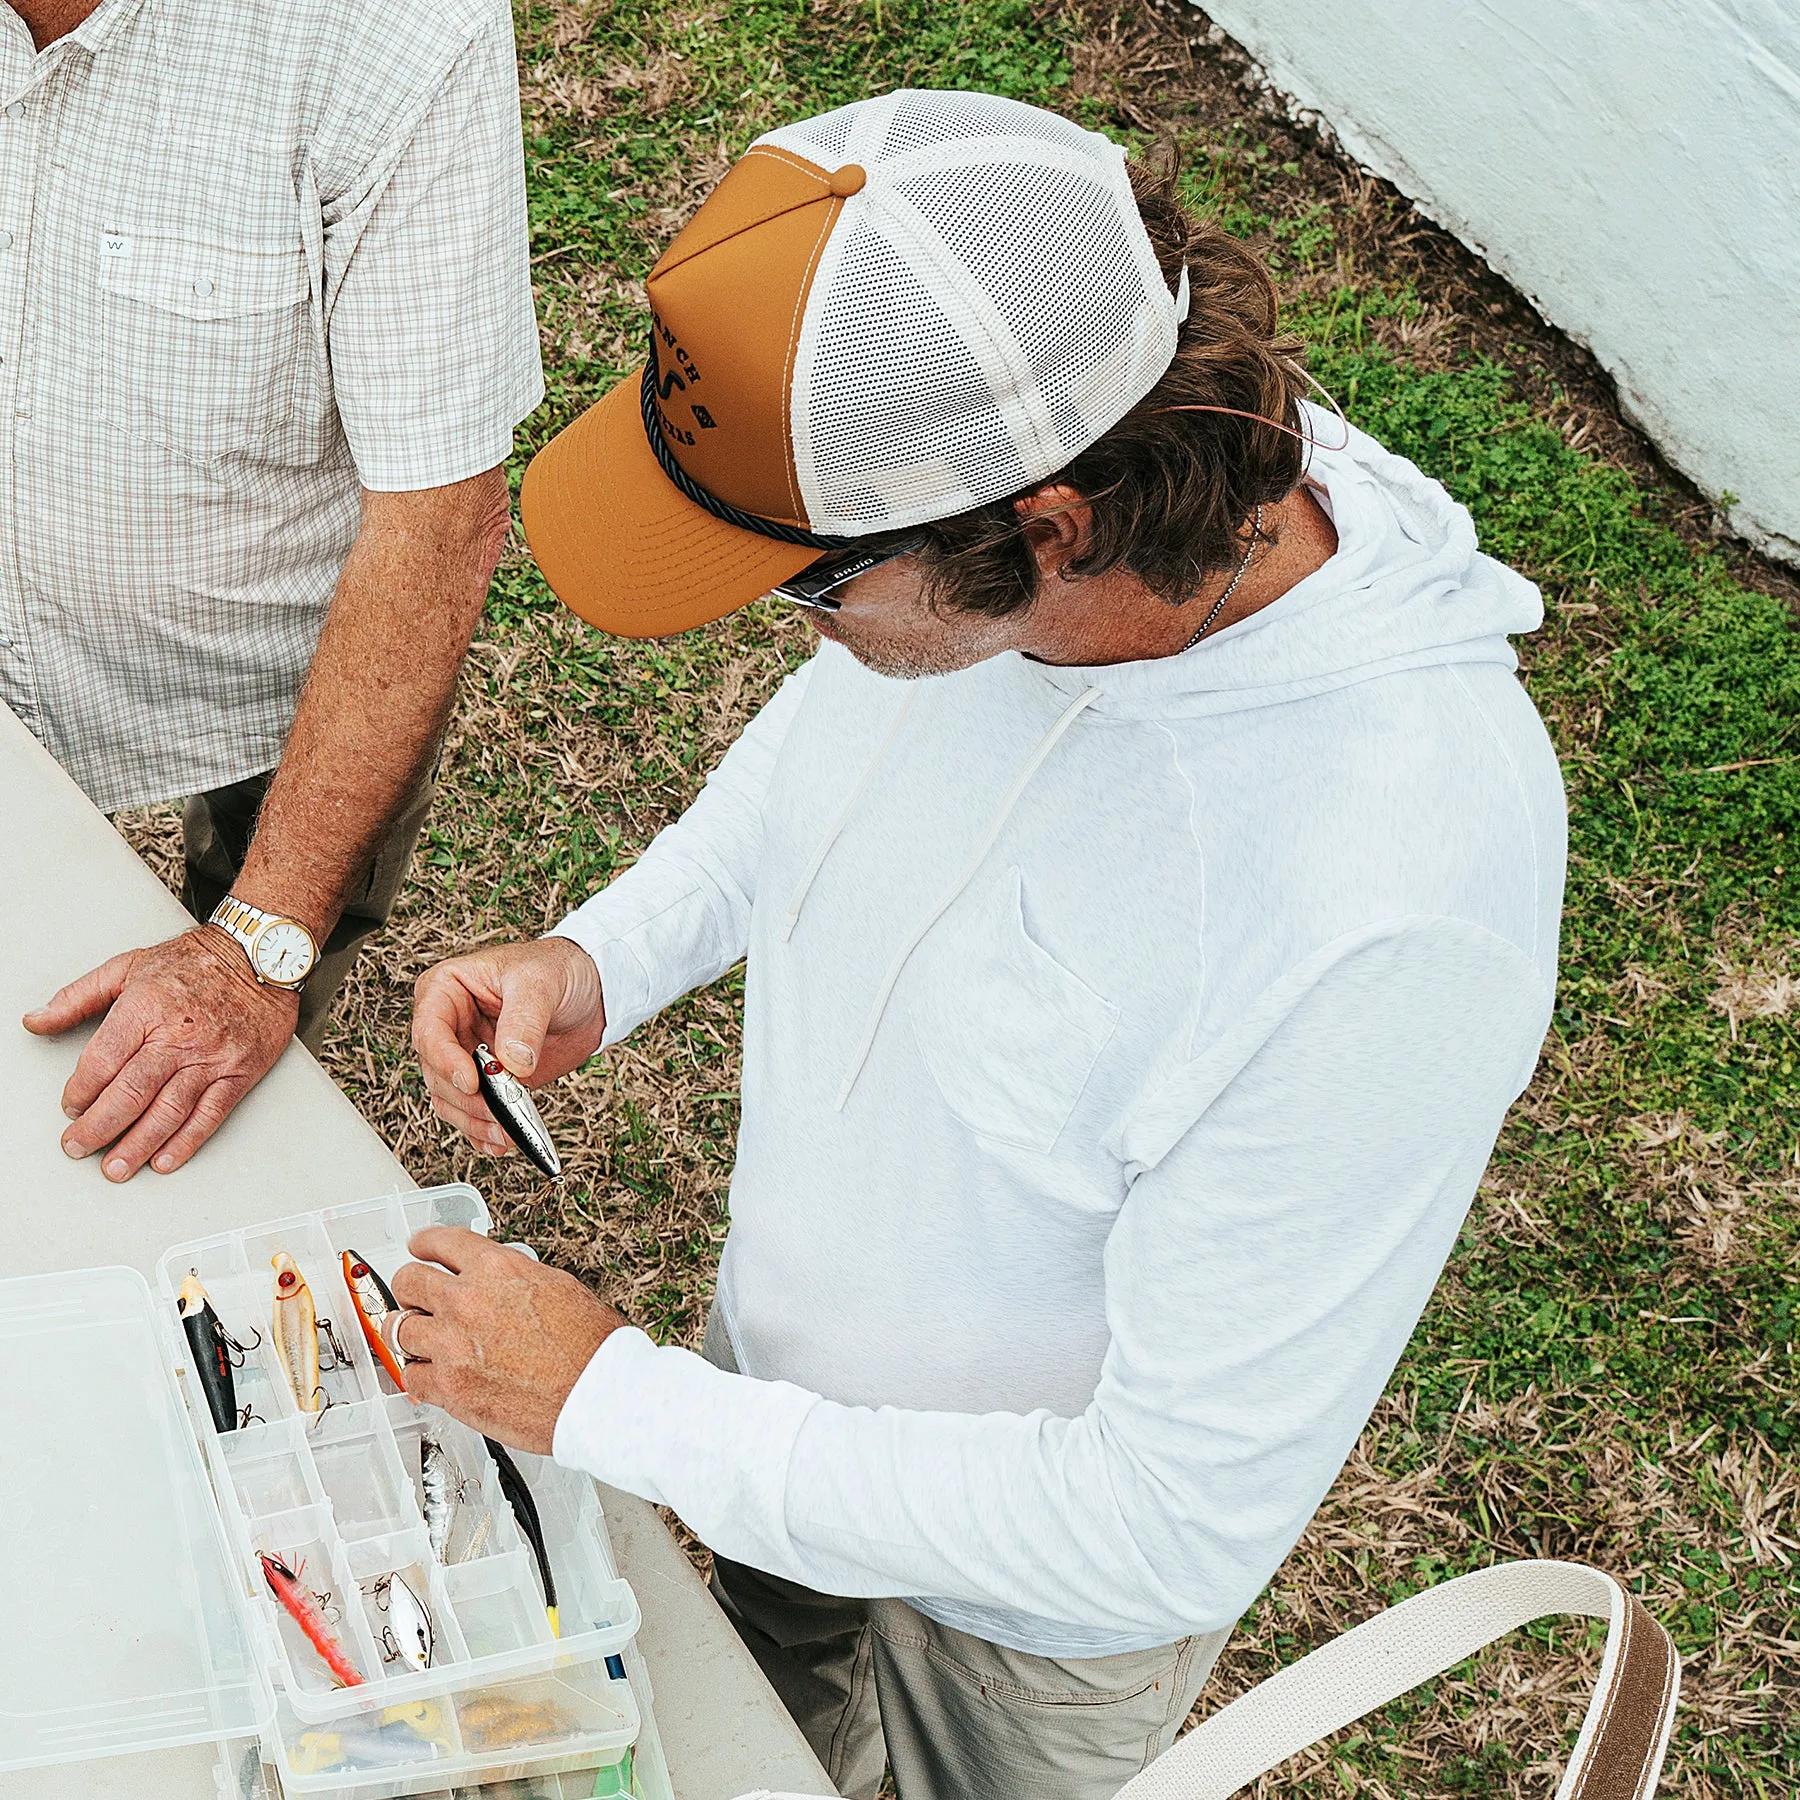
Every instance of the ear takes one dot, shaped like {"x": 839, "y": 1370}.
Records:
{"x": 1058, "y": 524}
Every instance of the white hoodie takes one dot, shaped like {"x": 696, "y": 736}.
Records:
{"x": 1122, "y": 1048}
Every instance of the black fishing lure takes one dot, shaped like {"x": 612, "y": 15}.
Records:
{"x": 212, "y": 1349}
{"x": 519, "y": 1498}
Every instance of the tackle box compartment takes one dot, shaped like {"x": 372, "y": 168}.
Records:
{"x": 169, "y": 1635}
{"x": 243, "y": 1769}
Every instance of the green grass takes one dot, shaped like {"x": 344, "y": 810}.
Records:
{"x": 1607, "y": 1369}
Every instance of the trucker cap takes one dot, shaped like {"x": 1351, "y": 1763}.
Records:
{"x": 880, "y": 317}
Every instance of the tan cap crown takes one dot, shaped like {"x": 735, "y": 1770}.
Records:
{"x": 880, "y": 317}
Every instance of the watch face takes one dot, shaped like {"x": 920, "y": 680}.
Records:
{"x": 284, "y": 952}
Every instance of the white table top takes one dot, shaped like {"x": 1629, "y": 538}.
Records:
{"x": 74, "y": 894}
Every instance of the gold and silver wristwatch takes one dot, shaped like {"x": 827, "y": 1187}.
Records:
{"x": 281, "y": 951}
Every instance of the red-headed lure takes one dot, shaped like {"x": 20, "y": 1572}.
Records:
{"x": 372, "y": 1300}
{"x": 512, "y": 1106}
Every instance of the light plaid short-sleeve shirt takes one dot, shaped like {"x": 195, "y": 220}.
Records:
{"x": 253, "y": 257}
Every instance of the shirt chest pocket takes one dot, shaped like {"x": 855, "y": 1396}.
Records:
{"x": 202, "y": 344}
{"x": 1009, "y": 1035}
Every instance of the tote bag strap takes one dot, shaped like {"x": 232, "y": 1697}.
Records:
{"x": 1623, "y": 1738}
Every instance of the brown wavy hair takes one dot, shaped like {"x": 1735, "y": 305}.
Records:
{"x": 1171, "y": 491}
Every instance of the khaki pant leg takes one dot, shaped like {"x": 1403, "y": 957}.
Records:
{"x": 814, "y": 1648}
{"x": 968, "y": 1720}
{"x": 816, "y": 1651}
{"x": 217, "y": 827}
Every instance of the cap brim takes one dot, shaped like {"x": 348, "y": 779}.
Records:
{"x": 622, "y": 546}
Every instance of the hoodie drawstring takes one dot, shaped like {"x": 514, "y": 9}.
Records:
{"x": 843, "y": 818}
{"x": 1067, "y": 718}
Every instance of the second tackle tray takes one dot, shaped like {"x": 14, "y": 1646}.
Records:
{"x": 373, "y": 1489}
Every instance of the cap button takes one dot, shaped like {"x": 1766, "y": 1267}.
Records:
{"x": 852, "y": 178}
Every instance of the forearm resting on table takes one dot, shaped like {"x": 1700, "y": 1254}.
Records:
{"x": 407, "y": 604}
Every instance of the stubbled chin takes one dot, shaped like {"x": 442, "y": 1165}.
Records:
{"x": 906, "y": 662}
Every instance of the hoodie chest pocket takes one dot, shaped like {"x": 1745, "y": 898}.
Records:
{"x": 1008, "y": 1034}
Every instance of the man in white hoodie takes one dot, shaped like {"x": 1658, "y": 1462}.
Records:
{"x": 1150, "y": 898}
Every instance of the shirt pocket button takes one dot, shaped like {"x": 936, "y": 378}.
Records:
{"x": 205, "y": 364}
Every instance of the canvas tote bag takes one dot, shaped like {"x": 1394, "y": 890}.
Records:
{"x": 1624, "y": 1736}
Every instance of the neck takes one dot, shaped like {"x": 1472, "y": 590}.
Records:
{"x": 1114, "y": 618}
{"x": 47, "y": 20}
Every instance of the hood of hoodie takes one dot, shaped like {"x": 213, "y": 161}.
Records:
{"x": 1407, "y": 588}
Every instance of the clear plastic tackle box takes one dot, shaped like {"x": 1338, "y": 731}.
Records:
{"x": 130, "y": 1532}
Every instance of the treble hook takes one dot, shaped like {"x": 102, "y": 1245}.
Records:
{"x": 235, "y": 1348}
{"x": 340, "y": 1357}
{"x": 248, "y": 1416}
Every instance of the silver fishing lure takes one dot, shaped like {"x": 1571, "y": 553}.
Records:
{"x": 407, "y": 1637}
{"x": 443, "y": 1485}
{"x": 511, "y": 1104}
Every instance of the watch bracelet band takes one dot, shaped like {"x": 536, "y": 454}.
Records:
{"x": 238, "y": 917}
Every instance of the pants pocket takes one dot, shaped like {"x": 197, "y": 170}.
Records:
{"x": 969, "y": 1720}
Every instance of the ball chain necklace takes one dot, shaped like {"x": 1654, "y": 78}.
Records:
{"x": 1218, "y": 606}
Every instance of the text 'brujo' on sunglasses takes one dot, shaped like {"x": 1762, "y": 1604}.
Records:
{"x": 811, "y": 587}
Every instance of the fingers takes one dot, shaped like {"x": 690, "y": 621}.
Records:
{"x": 475, "y": 1122}
{"x": 423, "y": 1287}
{"x": 81, "y": 998}
{"x": 209, "y": 1113}
{"x": 451, "y": 1247}
{"x": 416, "y": 1336}
{"x": 429, "y": 1376}
{"x": 186, "y": 1037}
{"x": 119, "y": 1039}
{"x": 448, "y": 1010}
{"x": 162, "y": 1118}
{"x": 452, "y": 1102}
{"x": 121, "y": 1103}
{"x": 530, "y": 996}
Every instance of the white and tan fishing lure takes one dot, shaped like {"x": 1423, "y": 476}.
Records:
{"x": 295, "y": 1332}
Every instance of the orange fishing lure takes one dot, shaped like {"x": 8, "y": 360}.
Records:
{"x": 372, "y": 1301}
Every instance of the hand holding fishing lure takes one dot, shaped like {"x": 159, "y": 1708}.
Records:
{"x": 540, "y": 1003}
{"x": 494, "y": 1337}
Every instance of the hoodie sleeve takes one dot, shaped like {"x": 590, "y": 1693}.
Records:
{"x": 679, "y": 917}
{"x": 1270, "y": 1261}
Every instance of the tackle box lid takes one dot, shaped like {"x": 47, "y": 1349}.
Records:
{"x": 123, "y": 1631}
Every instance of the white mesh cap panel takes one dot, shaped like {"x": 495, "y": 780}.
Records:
{"x": 895, "y": 451}
{"x": 894, "y": 125}
{"x": 987, "y": 307}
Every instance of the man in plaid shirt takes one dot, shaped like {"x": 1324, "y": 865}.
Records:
{"x": 265, "y": 334}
